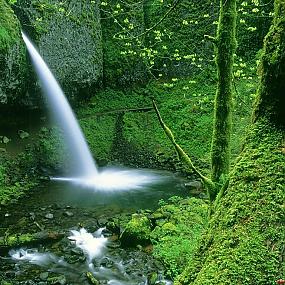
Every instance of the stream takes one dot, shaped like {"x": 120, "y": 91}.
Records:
{"x": 87, "y": 242}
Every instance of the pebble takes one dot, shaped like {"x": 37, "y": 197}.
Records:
{"x": 102, "y": 221}
{"x": 68, "y": 214}
{"x": 44, "y": 276}
{"x": 49, "y": 216}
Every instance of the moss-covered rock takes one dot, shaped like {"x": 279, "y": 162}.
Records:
{"x": 13, "y": 70}
{"x": 137, "y": 231}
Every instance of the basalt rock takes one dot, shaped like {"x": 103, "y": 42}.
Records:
{"x": 68, "y": 35}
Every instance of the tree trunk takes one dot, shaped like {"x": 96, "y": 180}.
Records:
{"x": 245, "y": 241}
{"x": 225, "y": 49}
{"x": 271, "y": 100}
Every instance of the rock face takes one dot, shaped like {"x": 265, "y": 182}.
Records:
{"x": 68, "y": 35}
{"x": 12, "y": 58}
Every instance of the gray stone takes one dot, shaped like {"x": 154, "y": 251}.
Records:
{"x": 49, "y": 216}
{"x": 194, "y": 184}
{"x": 44, "y": 276}
{"x": 69, "y": 39}
{"x": 68, "y": 214}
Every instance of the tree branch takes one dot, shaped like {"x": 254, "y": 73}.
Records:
{"x": 182, "y": 155}
{"x": 157, "y": 23}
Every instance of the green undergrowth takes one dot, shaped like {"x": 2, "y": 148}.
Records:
{"x": 174, "y": 230}
{"x": 17, "y": 176}
{"x": 9, "y": 27}
{"x": 179, "y": 225}
{"x": 246, "y": 237}
{"x": 116, "y": 131}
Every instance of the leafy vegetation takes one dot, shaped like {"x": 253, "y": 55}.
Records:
{"x": 244, "y": 240}
{"x": 176, "y": 236}
{"x": 147, "y": 55}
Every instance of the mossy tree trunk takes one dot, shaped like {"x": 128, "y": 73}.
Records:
{"x": 271, "y": 100}
{"x": 225, "y": 43}
{"x": 245, "y": 240}
{"x": 225, "y": 49}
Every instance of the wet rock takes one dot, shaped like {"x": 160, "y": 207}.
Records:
{"x": 69, "y": 38}
{"x": 68, "y": 214}
{"x": 106, "y": 262}
{"x": 91, "y": 279}
{"x": 102, "y": 221}
{"x": 49, "y": 216}
{"x": 195, "y": 186}
{"x": 152, "y": 278}
{"x": 76, "y": 251}
{"x": 59, "y": 280}
{"x": 44, "y": 276}
{"x": 32, "y": 215}
{"x": 56, "y": 206}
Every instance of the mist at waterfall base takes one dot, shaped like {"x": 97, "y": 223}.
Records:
{"x": 84, "y": 171}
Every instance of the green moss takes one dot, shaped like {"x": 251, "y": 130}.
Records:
{"x": 179, "y": 225}
{"x": 16, "y": 177}
{"x": 136, "y": 138}
{"x": 9, "y": 27}
{"x": 226, "y": 46}
{"x": 246, "y": 237}
{"x": 272, "y": 70}
{"x": 137, "y": 231}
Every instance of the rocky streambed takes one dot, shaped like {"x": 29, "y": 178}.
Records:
{"x": 36, "y": 248}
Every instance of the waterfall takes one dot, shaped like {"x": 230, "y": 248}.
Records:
{"x": 83, "y": 162}
{"x": 85, "y": 172}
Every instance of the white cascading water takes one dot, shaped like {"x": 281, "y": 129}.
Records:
{"x": 85, "y": 173}
{"x": 63, "y": 115}
{"x": 94, "y": 248}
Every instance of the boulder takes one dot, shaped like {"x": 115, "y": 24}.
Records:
{"x": 137, "y": 231}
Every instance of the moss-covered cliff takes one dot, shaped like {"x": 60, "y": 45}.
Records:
{"x": 13, "y": 71}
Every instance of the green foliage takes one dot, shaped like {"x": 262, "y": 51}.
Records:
{"x": 9, "y": 28}
{"x": 179, "y": 225}
{"x": 16, "y": 177}
{"x": 50, "y": 151}
{"x": 13, "y": 71}
{"x": 254, "y": 18}
{"x": 136, "y": 138}
{"x": 245, "y": 239}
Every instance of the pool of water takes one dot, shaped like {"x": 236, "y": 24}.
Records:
{"x": 138, "y": 198}
{"x": 60, "y": 206}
